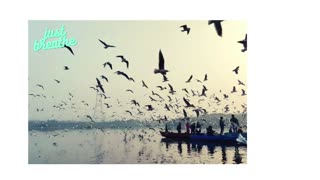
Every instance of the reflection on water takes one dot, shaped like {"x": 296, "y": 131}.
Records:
{"x": 128, "y": 147}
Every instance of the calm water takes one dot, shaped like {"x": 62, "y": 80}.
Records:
{"x": 125, "y": 147}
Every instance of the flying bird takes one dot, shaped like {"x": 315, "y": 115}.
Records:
{"x": 189, "y": 79}
{"x": 105, "y": 78}
{"x": 69, "y": 48}
{"x": 185, "y": 113}
{"x": 108, "y": 106}
{"x": 171, "y": 91}
{"x": 167, "y": 107}
{"x": 169, "y": 99}
{"x": 99, "y": 85}
{"x": 244, "y": 43}
{"x": 39, "y": 85}
{"x": 144, "y": 84}
{"x": 217, "y": 26}
{"x": 185, "y": 28}
{"x": 161, "y": 88}
{"x": 205, "y": 77}
{"x": 57, "y": 81}
{"x": 161, "y": 69}
{"x": 94, "y": 88}
{"x": 135, "y": 103}
{"x": 243, "y": 92}
{"x": 125, "y": 75}
{"x": 197, "y": 111}
{"x": 233, "y": 89}
{"x": 106, "y": 46}
{"x": 198, "y": 80}
{"x": 90, "y": 118}
{"x": 241, "y": 83}
{"x": 236, "y": 70}
{"x": 149, "y": 107}
{"x": 107, "y": 63}
{"x": 129, "y": 112}
{"x": 152, "y": 99}
{"x": 184, "y": 89}
{"x": 187, "y": 103}
{"x": 124, "y": 60}
{"x": 66, "y": 68}
{"x": 129, "y": 90}
{"x": 225, "y": 96}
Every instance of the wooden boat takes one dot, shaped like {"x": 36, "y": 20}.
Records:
{"x": 203, "y": 137}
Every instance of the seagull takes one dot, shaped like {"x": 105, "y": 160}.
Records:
{"x": 70, "y": 94}
{"x": 185, "y": 28}
{"x": 152, "y": 98}
{"x": 129, "y": 112}
{"x": 144, "y": 84}
{"x": 217, "y": 99}
{"x": 204, "y": 89}
{"x": 205, "y": 77}
{"x": 105, "y": 78}
{"x": 39, "y": 85}
{"x": 217, "y": 25}
{"x": 108, "y": 106}
{"x": 244, "y": 43}
{"x": 99, "y": 85}
{"x": 197, "y": 111}
{"x": 124, "y": 60}
{"x": 135, "y": 103}
{"x": 169, "y": 99}
{"x": 236, "y": 70}
{"x": 189, "y": 79}
{"x": 94, "y": 88}
{"x": 161, "y": 88}
{"x": 233, "y": 89}
{"x": 69, "y": 48}
{"x": 125, "y": 75}
{"x": 184, "y": 89}
{"x": 57, "y": 81}
{"x": 129, "y": 90}
{"x": 198, "y": 80}
{"x": 243, "y": 92}
{"x": 167, "y": 107}
{"x": 66, "y": 68}
{"x": 241, "y": 83}
{"x": 171, "y": 89}
{"x": 150, "y": 108}
{"x": 165, "y": 79}
{"x": 185, "y": 114}
{"x": 104, "y": 96}
{"x": 225, "y": 96}
{"x": 187, "y": 103}
{"x": 161, "y": 69}
{"x": 193, "y": 93}
{"x": 107, "y": 63}
{"x": 90, "y": 118}
{"x": 106, "y": 46}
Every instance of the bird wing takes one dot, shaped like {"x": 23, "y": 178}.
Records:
{"x": 161, "y": 60}
{"x": 110, "y": 65}
{"x": 127, "y": 62}
{"x": 99, "y": 84}
{"x": 190, "y": 78}
{"x": 186, "y": 101}
{"x": 218, "y": 27}
{"x": 103, "y": 42}
{"x": 69, "y": 48}
{"x": 171, "y": 88}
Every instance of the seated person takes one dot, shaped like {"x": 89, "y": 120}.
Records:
{"x": 210, "y": 131}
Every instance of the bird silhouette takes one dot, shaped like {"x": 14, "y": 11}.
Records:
{"x": 57, "y": 81}
{"x": 184, "y": 89}
{"x": 106, "y": 46}
{"x": 236, "y": 70}
{"x": 171, "y": 91}
{"x": 39, "y": 85}
{"x": 105, "y": 78}
{"x": 217, "y": 99}
{"x": 123, "y": 60}
{"x": 161, "y": 88}
{"x": 185, "y": 113}
{"x": 244, "y": 43}
{"x": 129, "y": 112}
{"x": 185, "y": 28}
{"x": 66, "y": 68}
{"x": 169, "y": 98}
{"x": 197, "y": 111}
{"x": 189, "y": 79}
{"x": 107, "y": 63}
{"x": 217, "y": 26}
{"x": 90, "y": 118}
{"x": 134, "y": 102}
{"x": 149, "y": 107}
{"x": 161, "y": 69}
{"x": 129, "y": 90}
{"x": 99, "y": 85}
{"x": 188, "y": 104}
{"x": 144, "y": 84}
{"x": 94, "y": 88}
{"x": 125, "y": 75}
{"x": 225, "y": 96}
{"x": 152, "y": 99}
{"x": 69, "y": 48}
{"x": 198, "y": 80}
{"x": 205, "y": 77}
{"x": 167, "y": 107}
{"x": 108, "y": 106}
{"x": 243, "y": 92}
{"x": 234, "y": 89}
{"x": 240, "y": 83}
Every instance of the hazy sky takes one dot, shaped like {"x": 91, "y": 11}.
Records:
{"x": 200, "y": 52}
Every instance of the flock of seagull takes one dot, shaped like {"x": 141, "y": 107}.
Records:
{"x": 169, "y": 102}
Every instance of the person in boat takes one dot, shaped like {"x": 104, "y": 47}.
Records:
{"x": 222, "y": 124}
{"x": 179, "y": 128}
{"x": 188, "y": 127}
{"x": 193, "y": 128}
{"x": 198, "y": 128}
{"x": 234, "y": 124}
{"x": 210, "y": 131}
